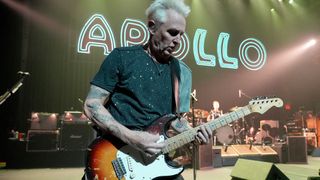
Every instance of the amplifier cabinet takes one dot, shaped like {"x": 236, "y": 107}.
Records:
{"x": 297, "y": 149}
{"x": 282, "y": 151}
{"x": 216, "y": 155}
{"x": 42, "y": 140}
{"x": 75, "y": 136}
{"x": 204, "y": 156}
{"x": 43, "y": 121}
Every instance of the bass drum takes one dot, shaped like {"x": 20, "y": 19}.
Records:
{"x": 225, "y": 135}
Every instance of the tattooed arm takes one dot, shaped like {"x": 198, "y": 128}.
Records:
{"x": 99, "y": 115}
{"x": 182, "y": 124}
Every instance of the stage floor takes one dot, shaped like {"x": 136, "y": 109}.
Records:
{"x": 292, "y": 171}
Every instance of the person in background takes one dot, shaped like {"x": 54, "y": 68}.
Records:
{"x": 215, "y": 112}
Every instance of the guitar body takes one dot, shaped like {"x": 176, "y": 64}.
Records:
{"x": 108, "y": 158}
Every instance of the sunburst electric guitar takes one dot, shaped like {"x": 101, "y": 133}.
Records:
{"x": 108, "y": 158}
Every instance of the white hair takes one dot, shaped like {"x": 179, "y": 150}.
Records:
{"x": 157, "y": 9}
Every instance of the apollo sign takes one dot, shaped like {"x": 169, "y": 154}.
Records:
{"x": 97, "y": 33}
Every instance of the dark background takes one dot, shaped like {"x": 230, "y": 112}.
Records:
{"x": 41, "y": 36}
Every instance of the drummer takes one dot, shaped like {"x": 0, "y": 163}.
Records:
{"x": 215, "y": 112}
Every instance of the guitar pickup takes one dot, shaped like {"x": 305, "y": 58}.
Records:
{"x": 119, "y": 168}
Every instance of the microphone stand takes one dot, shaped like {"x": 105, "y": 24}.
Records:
{"x": 194, "y": 146}
{"x": 244, "y": 94}
{"x": 11, "y": 91}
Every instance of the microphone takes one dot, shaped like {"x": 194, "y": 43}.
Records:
{"x": 23, "y": 73}
{"x": 239, "y": 93}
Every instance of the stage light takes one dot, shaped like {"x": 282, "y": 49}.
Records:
{"x": 53, "y": 115}
{"x": 35, "y": 116}
{"x": 287, "y": 107}
{"x": 310, "y": 43}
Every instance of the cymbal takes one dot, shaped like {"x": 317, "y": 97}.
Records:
{"x": 200, "y": 113}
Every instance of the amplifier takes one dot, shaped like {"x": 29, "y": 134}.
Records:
{"x": 43, "y": 121}
{"x": 297, "y": 149}
{"x": 75, "y": 136}
{"x": 216, "y": 155}
{"x": 204, "y": 156}
{"x": 282, "y": 151}
{"x": 42, "y": 140}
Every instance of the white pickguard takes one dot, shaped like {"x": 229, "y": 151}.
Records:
{"x": 140, "y": 167}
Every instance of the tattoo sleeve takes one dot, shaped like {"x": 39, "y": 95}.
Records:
{"x": 95, "y": 110}
{"x": 180, "y": 125}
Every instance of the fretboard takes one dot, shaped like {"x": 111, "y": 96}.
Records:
{"x": 189, "y": 135}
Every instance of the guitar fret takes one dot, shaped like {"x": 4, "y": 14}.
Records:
{"x": 233, "y": 115}
{"x": 214, "y": 126}
{"x": 221, "y": 124}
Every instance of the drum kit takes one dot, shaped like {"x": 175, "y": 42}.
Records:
{"x": 237, "y": 132}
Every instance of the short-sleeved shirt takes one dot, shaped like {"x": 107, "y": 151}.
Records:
{"x": 141, "y": 89}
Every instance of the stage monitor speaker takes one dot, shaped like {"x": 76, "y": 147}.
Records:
{"x": 204, "y": 156}
{"x": 75, "y": 136}
{"x": 313, "y": 178}
{"x": 250, "y": 169}
{"x": 297, "y": 149}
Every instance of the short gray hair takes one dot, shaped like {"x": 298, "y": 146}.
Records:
{"x": 157, "y": 9}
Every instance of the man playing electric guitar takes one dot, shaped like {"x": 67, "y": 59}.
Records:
{"x": 136, "y": 86}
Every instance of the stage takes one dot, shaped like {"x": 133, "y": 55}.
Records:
{"x": 246, "y": 56}
{"x": 292, "y": 171}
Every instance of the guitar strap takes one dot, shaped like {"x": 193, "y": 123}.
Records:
{"x": 181, "y": 83}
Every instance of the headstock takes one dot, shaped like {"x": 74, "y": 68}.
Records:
{"x": 262, "y": 104}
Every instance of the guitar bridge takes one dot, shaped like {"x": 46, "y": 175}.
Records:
{"x": 119, "y": 168}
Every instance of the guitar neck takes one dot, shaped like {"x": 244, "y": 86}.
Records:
{"x": 189, "y": 135}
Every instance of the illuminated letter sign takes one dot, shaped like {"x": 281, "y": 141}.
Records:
{"x": 133, "y": 32}
{"x": 200, "y": 56}
{"x": 96, "y": 33}
{"x": 222, "y": 49}
{"x": 243, "y": 54}
{"x": 183, "y": 48}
